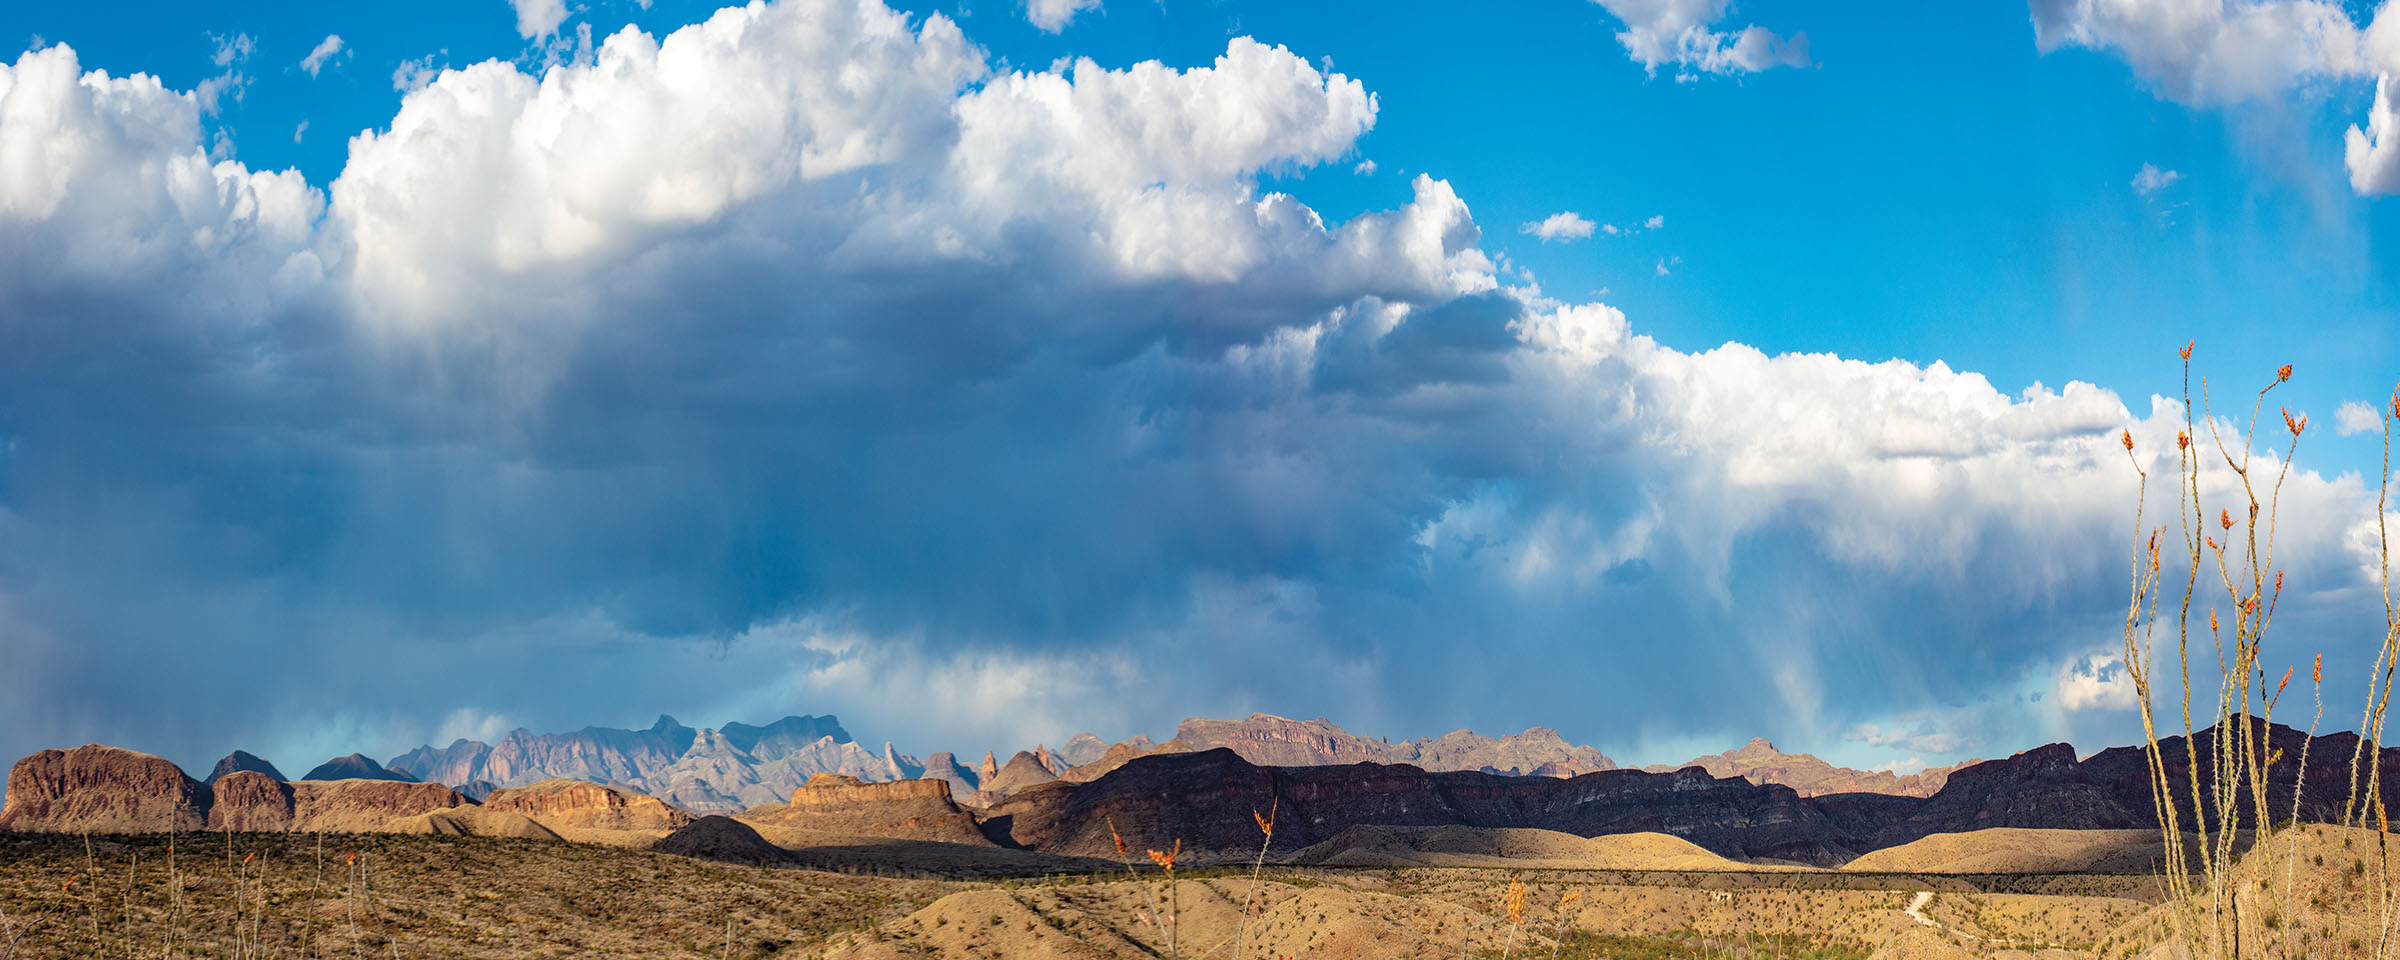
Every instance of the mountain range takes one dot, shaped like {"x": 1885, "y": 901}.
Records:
{"x": 741, "y": 765}
{"x": 1203, "y": 799}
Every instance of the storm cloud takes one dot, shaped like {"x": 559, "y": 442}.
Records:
{"x": 805, "y": 361}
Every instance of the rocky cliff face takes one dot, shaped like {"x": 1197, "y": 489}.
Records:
{"x": 574, "y": 805}
{"x": 2048, "y": 787}
{"x": 365, "y": 806}
{"x": 946, "y": 768}
{"x": 1759, "y": 762}
{"x": 1206, "y": 799}
{"x": 1270, "y": 740}
{"x": 101, "y": 789}
{"x": 1023, "y": 770}
{"x": 737, "y": 766}
{"x": 248, "y": 801}
{"x": 904, "y": 809}
{"x": 1084, "y": 748}
{"x": 238, "y": 761}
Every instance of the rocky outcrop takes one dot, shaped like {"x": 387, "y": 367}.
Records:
{"x": 356, "y": 766}
{"x": 589, "y": 811}
{"x": 238, "y": 761}
{"x": 1269, "y": 740}
{"x": 738, "y": 766}
{"x": 2047, "y": 787}
{"x": 471, "y": 822}
{"x": 1759, "y": 762}
{"x": 1114, "y": 757}
{"x": 1084, "y": 748}
{"x": 461, "y": 762}
{"x": 365, "y": 806}
{"x": 903, "y": 810}
{"x": 247, "y": 801}
{"x": 724, "y": 838}
{"x": 101, "y": 789}
{"x": 946, "y": 768}
{"x": 900, "y": 766}
{"x": 1023, "y": 770}
{"x": 1206, "y": 800}
{"x": 990, "y": 770}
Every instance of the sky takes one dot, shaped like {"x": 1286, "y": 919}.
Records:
{"x": 1664, "y": 372}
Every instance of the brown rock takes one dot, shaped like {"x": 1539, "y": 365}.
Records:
{"x": 904, "y": 810}
{"x": 472, "y": 822}
{"x": 719, "y": 837}
{"x": 365, "y": 806}
{"x": 1759, "y": 762}
{"x": 571, "y": 805}
{"x": 1023, "y": 770}
{"x": 101, "y": 789}
{"x": 247, "y": 801}
{"x": 241, "y": 760}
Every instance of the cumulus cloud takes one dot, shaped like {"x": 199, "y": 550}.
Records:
{"x": 1565, "y": 226}
{"x": 1680, "y": 33}
{"x": 1921, "y": 737}
{"x": 538, "y": 18}
{"x": 2355, "y": 417}
{"x": 802, "y": 359}
{"x": 1365, "y": 168}
{"x": 1053, "y": 15}
{"x": 2212, "y": 51}
{"x": 324, "y": 51}
{"x": 2150, "y": 179}
{"x": 2096, "y": 681}
{"x": 2226, "y": 52}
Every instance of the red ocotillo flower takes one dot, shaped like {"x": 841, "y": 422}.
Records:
{"x": 2283, "y": 374}
{"x": 2295, "y": 426}
{"x": 2318, "y": 675}
{"x": 2186, "y": 352}
{"x": 2182, "y": 440}
{"x": 1516, "y": 901}
{"x": 2285, "y": 682}
{"x": 1166, "y": 858}
{"x": 2225, "y": 519}
{"x": 2128, "y": 437}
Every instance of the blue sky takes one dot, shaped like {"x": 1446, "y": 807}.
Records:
{"x": 930, "y": 374}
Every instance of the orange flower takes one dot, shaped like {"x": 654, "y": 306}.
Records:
{"x": 246, "y": 858}
{"x": 2212, "y": 619}
{"x": 2225, "y": 519}
{"x": 2279, "y": 583}
{"x": 2212, "y": 543}
{"x": 2283, "y": 374}
{"x": 1114, "y": 835}
{"x": 1265, "y": 825}
{"x": 1571, "y": 897}
{"x": 2318, "y": 675}
{"x": 2186, "y": 352}
{"x": 2182, "y": 440}
{"x": 2128, "y": 437}
{"x": 1516, "y": 901}
{"x": 1166, "y": 859}
{"x": 2285, "y": 682}
{"x": 2295, "y": 426}
{"x": 353, "y": 858}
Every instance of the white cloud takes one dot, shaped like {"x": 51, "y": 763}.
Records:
{"x": 1565, "y": 226}
{"x": 1662, "y": 267}
{"x": 324, "y": 51}
{"x": 1678, "y": 32}
{"x": 2208, "y": 51}
{"x": 1903, "y": 768}
{"x": 2096, "y": 681}
{"x": 1365, "y": 168}
{"x": 231, "y": 50}
{"x": 1920, "y": 737}
{"x": 538, "y": 18}
{"x": 1053, "y": 15}
{"x": 412, "y": 75}
{"x": 2150, "y": 179}
{"x": 2223, "y": 52}
{"x": 1656, "y": 221}
{"x": 299, "y": 131}
{"x": 1224, "y": 420}
{"x": 2356, "y": 417}
{"x": 2373, "y": 154}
